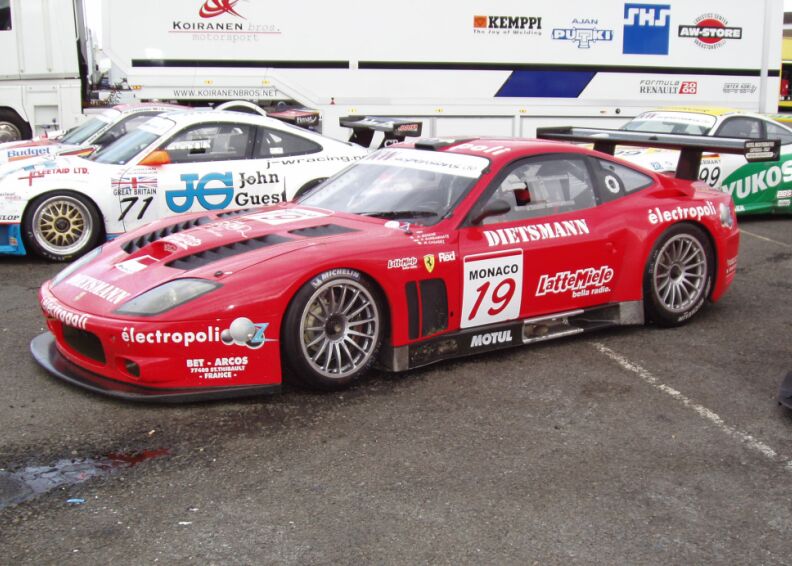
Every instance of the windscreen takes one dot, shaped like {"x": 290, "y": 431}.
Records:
{"x": 669, "y": 122}
{"x": 121, "y": 151}
{"x": 79, "y": 134}
{"x": 422, "y": 186}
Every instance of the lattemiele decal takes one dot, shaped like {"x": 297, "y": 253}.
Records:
{"x": 535, "y": 232}
{"x": 507, "y": 25}
{"x": 678, "y": 213}
{"x": 710, "y": 31}
{"x": 222, "y": 20}
{"x": 582, "y": 283}
{"x": 106, "y": 291}
{"x": 665, "y": 86}
{"x": 583, "y": 32}
{"x": 70, "y": 318}
{"x": 403, "y": 263}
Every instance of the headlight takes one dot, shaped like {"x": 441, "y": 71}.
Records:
{"x": 726, "y": 216}
{"x": 74, "y": 266}
{"x": 167, "y": 296}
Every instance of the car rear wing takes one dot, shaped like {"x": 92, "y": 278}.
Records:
{"x": 395, "y": 129}
{"x": 691, "y": 147}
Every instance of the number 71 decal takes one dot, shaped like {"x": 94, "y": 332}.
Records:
{"x": 492, "y": 289}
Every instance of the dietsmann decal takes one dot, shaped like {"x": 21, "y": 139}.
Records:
{"x": 545, "y": 231}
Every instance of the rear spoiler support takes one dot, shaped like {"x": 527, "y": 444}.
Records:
{"x": 395, "y": 129}
{"x": 691, "y": 147}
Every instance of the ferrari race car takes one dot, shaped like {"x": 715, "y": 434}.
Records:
{"x": 419, "y": 253}
{"x": 755, "y": 187}
{"x": 97, "y": 131}
{"x": 186, "y": 161}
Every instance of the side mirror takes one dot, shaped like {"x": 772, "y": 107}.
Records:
{"x": 493, "y": 208}
{"x": 156, "y": 158}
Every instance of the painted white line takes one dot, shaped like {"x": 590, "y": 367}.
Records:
{"x": 745, "y": 438}
{"x": 744, "y": 231}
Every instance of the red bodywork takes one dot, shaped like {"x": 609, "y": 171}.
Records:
{"x": 182, "y": 348}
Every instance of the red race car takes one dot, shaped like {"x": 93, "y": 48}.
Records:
{"x": 421, "y": 252}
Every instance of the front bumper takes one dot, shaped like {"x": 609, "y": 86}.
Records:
{"x": 47, "y": 355}
{"x": 785, "y": 391}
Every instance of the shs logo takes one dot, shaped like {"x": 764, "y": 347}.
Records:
{"x": 646, "y": 29}
{"x": 215, "y": 197}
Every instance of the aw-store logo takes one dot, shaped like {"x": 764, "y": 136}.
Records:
{"x": 646, "y": 29}
{"x": 214, "y": 8}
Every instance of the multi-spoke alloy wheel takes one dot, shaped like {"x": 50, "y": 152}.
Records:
{"x": 337, "y": 326}
{"x": 62, "y": 226}
{"x": 680, "y": 272}
{"x": 679, "y": 275}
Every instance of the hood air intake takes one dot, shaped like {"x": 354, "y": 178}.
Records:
{"x": 146, "y": 239}
{"x": 323, "y": 230}
{"x": 205, "y": 257}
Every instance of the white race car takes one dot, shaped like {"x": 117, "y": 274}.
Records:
{"x": 98, "y": 131}
{"x": 178, "y": 162}
{"x": 756, "y": 188}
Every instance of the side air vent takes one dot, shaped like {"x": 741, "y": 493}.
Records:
{"x": 146, "y": 239}
{"x": 323, "y": 230}
{"x": 427, "y": 307}
{"x": 206, "y": 257}
{"x": 233, "y": 213}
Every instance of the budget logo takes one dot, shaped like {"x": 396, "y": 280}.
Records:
{"x": 646, "y": 29}
{"x": 215, "y": 197}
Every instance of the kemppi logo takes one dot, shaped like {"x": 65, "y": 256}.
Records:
{"x": 214, "y": 8}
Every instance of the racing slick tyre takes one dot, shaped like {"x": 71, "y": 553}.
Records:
{"x": 332, "y": 330}
{"x": 61, "y": 226}
{"x": 678, "y": 276}
{"x": 12, "y": 127}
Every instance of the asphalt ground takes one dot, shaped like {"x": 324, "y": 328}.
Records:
{"x": 630, "y": 446}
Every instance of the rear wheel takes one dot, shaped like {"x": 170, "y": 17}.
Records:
{"x": 61, "y": 226}
{"x": 12, "y": 127}
{"x": 678, "y": 275}
{"x": 332, "y": 330}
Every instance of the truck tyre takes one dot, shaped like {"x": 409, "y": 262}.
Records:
{"x": 12, "y": 127}
{"x": 61, "y": 226}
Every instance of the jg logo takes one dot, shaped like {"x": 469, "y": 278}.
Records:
{"x": 215, "y": 197}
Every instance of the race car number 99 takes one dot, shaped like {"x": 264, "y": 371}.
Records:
{"x": 492, "y": 288}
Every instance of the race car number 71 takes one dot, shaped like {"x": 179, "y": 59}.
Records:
{"x": 492, "y": 288}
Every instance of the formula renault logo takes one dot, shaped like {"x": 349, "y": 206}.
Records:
{"x": 214, "y": 8}
{"x": 646, "y": 29}
{"x": 710, "y": 31}
{"x": 215, "y": 197}
{"x": 583, "y": 33}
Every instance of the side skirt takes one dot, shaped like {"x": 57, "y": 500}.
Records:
{"x": 508, "y": 334}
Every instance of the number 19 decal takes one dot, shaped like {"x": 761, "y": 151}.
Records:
{"x": 492, "y": 288}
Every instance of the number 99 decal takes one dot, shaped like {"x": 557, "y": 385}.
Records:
{"x": 710, "y": 175}
{"x": 492, "y": 288}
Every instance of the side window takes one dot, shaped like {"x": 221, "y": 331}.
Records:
{"x": 615, "y": 180}
{"x": 741, "y": 127}
{"x": 776, "y": 132}
{"x": 123, "y": 127}
{"x": 5, "y": 15}
{"x": 214, "y": 142}
{"x": 275, "y": 143}
{"x": 541, "y": 186}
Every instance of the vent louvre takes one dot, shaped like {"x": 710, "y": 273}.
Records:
{"x": 323, "y": 230}
{"x": 205, "y": 257}
{"x": 142, "y": 241}
{"x": 233, "y": 212}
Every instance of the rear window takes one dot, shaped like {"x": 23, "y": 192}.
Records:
{"x": 617, "y": 180}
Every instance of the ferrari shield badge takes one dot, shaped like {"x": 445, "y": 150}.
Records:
{"x": 429, "y": 262}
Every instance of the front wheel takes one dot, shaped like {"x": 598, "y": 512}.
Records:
{"x": 61, "y": 226}
{"x": 332, "y": 330}
{"x": 678, "y": 275}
